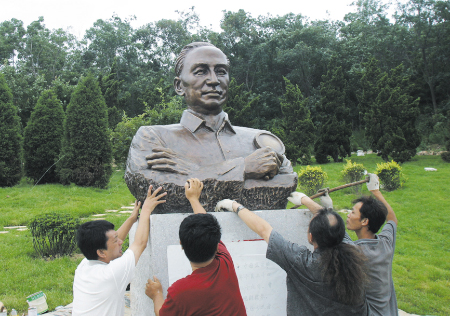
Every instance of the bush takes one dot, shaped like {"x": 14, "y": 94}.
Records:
{"x": 43, "y": 136}
{"x": 10, "y": 138}
{"x": 311, "y": 179}
{"x": 54, "y": 234}
{"x": 122, "y": 136}
{"x": 353, "y": 172}
{"x": 86, "y": 151}
{"x": 446, "y": 156}
{"x": 391, "y": 175}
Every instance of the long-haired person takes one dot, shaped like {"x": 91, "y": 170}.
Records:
{"x": 327, "y": 281}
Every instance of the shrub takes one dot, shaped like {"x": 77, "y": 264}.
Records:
{"x": 86, "y": 151}
{"x": 122, "y": 136}
{"x": 54, "y": 234}
{"x": 311, "y": 179}
{"x": 10, "y": 138}
{"x": 353, "y": 172}
{"x": 43, "y": 136}
{"x": 446, "y": 156}
{"x": 390, "y": 174}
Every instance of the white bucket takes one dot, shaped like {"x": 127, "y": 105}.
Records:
{"x": 38, "y": 300}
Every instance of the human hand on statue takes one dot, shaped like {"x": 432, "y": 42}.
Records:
{"x": 262, "y": 163}
{"x": 165, "y": 159}
{"x": 152, "y": 200}
{"x": 193, "y": 188}
{"x": 225, "y": 204}
{"x": 153, "y": 288}
{"x": 296, "y": 198}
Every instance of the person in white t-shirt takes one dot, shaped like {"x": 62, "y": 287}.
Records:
{"x": 103, "y": 276}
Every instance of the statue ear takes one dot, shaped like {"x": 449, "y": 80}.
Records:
{"x": 178, "y": 86}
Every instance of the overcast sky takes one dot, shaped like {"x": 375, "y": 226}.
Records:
{"x": 80, "y": 15}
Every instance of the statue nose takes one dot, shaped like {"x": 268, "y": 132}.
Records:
{"x": 212, "y": 79}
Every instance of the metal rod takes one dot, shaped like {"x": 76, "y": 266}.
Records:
{"x": 335, "y": 189}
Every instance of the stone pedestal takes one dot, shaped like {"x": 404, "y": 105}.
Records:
{"x": 262, "y": 282}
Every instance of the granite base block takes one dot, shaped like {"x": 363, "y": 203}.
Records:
{"x": 262, "y": 282}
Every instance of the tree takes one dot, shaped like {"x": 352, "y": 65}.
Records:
{"x": 10, "y": 140}
{"x": 42, "y": 138}
{"x": 86, "y": 151}
{"x": 369, "y": 86}
{"x": 240, "y": 104}
{"x": 296, "y": 128}
{"x": 334, "y": 130}
{"x": 391, "y": 120}
{"x": 11, "y": 34}
{"x": 110, "y": 87}
{"x": 428, "y": 41}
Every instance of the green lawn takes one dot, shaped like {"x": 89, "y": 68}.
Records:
{"x": 421, "y": 262}
{"x": 21, "y": 273}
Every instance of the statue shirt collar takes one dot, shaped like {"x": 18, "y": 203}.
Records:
{"x": 193, "y": 120}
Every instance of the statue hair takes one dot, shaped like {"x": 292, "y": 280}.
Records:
{"x": 179, "y": 63}
{"x": 342, "y": 265}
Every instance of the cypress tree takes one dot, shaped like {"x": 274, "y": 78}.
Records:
{"x": 86, "y": 151}
{"x": 369, "y": 87}
{"x": 43, "y": 135}
{"x": 240, "y": 104}
{"x": 334, "y": 130}
{"x": 391, "y": 120}
{"x": 297, "y": 126}
{"x": 110, "y": 87}
{"x": 11, "y": 138}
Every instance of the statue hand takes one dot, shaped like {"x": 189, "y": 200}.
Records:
{"x": 165, "y": 159}
{"x": 264, "y": 162}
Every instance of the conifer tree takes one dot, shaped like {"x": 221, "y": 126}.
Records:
{"x": 334, "y": 130}
{"x": 110, "y": 87}
{"x": 10, "y": 139}
{"x": 240, "y": 104}
{"x": 297, "y": 128}
{"x": 369, "y": 87}
{"x": 42, "y": 138}
{"x": 86, "y": 151}
{"x": 391, "y": 120}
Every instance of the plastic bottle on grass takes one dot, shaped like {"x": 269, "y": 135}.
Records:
{"x": 13, "y": 312}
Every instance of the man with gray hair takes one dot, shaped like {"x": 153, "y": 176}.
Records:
{"x": 238, "y": 162}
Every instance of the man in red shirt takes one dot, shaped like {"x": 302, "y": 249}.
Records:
{"x": 212, "y": 288}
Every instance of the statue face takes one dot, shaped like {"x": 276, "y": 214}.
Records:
{"x": 204, "y": 80}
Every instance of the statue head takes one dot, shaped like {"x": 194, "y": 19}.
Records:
{"x": 202, "y": 77}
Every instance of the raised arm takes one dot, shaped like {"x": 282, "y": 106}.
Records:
{"x": 193, "y": 189}
{"x": 123, "y": 231}
{"x": 374, "y": 187}
{"x": 143, "y": 229}
{"x": 298, "y": 199}
{"x": 253, "y": 221}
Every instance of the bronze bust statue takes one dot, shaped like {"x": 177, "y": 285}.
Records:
{"x": 234, "y": 162}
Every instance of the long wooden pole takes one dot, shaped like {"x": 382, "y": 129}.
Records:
{"x": 335, "y": 189}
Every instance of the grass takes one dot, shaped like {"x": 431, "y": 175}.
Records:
{"x": 22, "y": 273}
{"x": 421, "y": 266}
